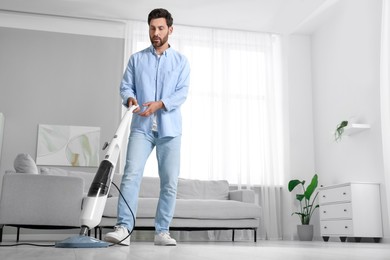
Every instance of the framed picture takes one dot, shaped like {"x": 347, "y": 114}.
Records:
{"x": 68, "y": 145}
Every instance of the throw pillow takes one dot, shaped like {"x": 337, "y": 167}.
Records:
{"x": 25, "y": 164}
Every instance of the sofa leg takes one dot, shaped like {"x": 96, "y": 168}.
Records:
{"x": 1, "y": 233}
{"x": 233, "y": 235}
{"x": 98, "y": 232}
{"x": 17, "y": 234}
{"x": 255, "y": 235}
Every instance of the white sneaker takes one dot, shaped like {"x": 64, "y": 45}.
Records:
{"x": 120, "y": 233}
{"x": 164, "y": 239}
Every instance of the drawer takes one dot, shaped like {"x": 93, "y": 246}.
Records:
{"x": 333, "y": 211}
{"x": 340, "y": 194}
{"x": 337, "y": 227}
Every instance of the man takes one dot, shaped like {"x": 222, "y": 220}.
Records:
{"x": 156, "y": 79}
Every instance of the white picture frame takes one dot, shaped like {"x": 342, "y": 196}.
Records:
{"x": 68, "y": 145}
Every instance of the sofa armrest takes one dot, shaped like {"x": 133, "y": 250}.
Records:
{"x": 35, "y": 199}
{"x": 242, "y": 195}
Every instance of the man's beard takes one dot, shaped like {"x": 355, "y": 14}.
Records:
{"x": 159, "y": 43}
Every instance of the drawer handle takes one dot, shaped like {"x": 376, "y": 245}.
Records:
{"x": 345, "y": 210}
{"x": 325, "y": 227}
{"x": 324, "y": 211}
{"x": 323, "y": 196}
{"x": 346, "y": 227}
{"x": 344, "y": 193}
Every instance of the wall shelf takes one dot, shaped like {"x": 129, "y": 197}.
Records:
{"x": 352, "y": 129}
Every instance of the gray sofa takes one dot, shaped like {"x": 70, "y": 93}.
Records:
{"x": 40, "y": 201}
{"x": 200, "y": 205}
{"x": 52, "y": 198}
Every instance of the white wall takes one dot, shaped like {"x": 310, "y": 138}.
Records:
{"x": 300, "y": 114}
{"x": 345, "y": 73}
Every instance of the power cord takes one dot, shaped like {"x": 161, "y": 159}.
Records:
{"x": 113, "y": 244}
{"x": 132, "y": 214}
{"x": 28, "y": 244}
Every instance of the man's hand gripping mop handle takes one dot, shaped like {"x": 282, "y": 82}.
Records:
{"x": 94, "y": 203}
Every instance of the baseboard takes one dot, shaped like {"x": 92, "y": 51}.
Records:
{"x": 385, "y": 240}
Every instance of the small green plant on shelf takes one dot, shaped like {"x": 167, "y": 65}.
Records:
{"x": 340, "y": 130}
{"x": 306, "y": 202}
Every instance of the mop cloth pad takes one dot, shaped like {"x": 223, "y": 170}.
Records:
{"x": 82, "y": 242}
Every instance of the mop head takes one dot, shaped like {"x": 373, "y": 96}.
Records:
{"x": 81, "y": 241}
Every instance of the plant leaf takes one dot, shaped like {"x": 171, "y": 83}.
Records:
{"x": 300, "y": 197}
{"x": 299, "y": 213}
{"x": 341, "y": 125}
{"x": 292, "y": 184}
{"x": 312, "y": 186}
{"x": 340, "y": 130}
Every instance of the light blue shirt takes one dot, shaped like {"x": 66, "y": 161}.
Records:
{"x": 149, "y": 77}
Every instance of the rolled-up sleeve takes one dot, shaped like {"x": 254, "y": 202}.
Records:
{"x": 127, "y": 87}
{"x": 178, "y": 97}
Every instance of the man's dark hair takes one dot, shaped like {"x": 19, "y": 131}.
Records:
{"x": 161, "y": 13}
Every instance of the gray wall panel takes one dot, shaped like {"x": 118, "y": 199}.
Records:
{"x": 56, "y": 78}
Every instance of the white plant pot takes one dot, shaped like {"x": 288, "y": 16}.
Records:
{"x": 305, "y": 232}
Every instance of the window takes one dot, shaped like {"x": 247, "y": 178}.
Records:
{"x": 232, "y": 119}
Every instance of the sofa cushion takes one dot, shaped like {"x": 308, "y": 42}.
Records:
{"x": 35, "y": 199}
{"x": 207, "y": 190}
{"x": 192, "y": 208}
{"x": 187, "y": 189}
{"x": 86, "y": 176}
{"x": 216, "y": 209}
{"x": 23, "y": 163}
{"x": 150, "y": 187}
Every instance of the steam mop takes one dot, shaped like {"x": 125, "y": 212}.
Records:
{"x": 94, "y": 203}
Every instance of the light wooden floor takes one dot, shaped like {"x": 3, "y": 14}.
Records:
{"x": 262, "y": 250}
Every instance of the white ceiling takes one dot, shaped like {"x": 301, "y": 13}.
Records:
{"x": 278, "y": 16}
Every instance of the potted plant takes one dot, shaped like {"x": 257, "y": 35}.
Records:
{"x": 338, "y": 133}
{"x": 307, "y": 205}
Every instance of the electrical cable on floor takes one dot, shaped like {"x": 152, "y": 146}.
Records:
{"x": 132, "y": 214}
{"x": 113, "y": 244}
{"x": 27, "y": 244}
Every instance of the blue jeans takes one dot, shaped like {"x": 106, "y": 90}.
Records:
{"x": 139, "y": 148}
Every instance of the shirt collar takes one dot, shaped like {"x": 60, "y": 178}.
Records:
{"x": 165, "y": 53}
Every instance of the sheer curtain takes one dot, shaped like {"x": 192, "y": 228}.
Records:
{"x": 385, "y": 93}
{"x": 232, "y": 119}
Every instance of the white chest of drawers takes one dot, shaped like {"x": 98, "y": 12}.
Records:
{"x": 351, "y": 210}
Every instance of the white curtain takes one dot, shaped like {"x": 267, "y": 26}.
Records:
{"x": 385, "y": 93}
{"x": 232, "y": 119}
